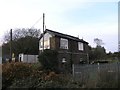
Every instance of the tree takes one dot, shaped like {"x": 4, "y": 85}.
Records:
{"x": 100, "y": 52}
{"x": 98, "y": 42}
{"x": 113, "y": 56}
{"x": 24, "y": 41}
{"x": 91, "y": 54}
{"x": 26, "y": 45}
{"x": 97, "y": 53}
{"x": 49, "y": 60}
{"x": 20, "y": 33}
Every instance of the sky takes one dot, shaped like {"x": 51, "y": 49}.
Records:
{"x": 87, "y": 19}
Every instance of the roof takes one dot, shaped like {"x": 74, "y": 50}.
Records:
{"x": 63, "y": 36}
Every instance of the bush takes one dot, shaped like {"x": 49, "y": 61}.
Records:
{"x": 23, "y": 75}
{"x": 49, "y": 60}
{"x": 10, "y": 71}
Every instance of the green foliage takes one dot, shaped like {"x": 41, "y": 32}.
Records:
{"x": 26, "y": 45}
{"x": 49, "y": 60}
{"x": 22, "y": 75}
{"x": 97, "y": 53}
{"x": 24, "y": 41}
{"x": 115, "y": 57}
{"x": 100, "y": 52}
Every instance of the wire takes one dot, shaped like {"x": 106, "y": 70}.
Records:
{"x": 36, "y": 22}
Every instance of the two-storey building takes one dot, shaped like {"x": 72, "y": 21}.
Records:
{"x": 72, "y": 50}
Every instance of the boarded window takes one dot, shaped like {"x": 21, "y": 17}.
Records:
{"x": 63, "y": 43}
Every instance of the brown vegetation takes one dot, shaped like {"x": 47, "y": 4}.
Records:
{"x": 23, "y": 75}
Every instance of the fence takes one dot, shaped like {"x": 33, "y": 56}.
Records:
{"x": 28, "y": 58}
{"x": 102, "y": 75}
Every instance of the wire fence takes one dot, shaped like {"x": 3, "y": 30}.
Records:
{"x": 98, "y": 75}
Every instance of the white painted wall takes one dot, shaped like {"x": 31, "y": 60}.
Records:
{"x": 28, "y": 58}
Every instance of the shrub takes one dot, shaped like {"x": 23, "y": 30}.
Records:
{"x": 23, "y": 75}
{"x": 12, "y": 71}
{"x": 49, "y": 60}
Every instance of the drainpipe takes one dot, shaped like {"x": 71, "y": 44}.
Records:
{"x": 87, "y": 58}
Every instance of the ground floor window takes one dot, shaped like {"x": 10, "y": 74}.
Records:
{"x": 63, "y": 60}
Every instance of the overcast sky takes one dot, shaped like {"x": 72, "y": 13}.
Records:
{"x": 87, "y": 18}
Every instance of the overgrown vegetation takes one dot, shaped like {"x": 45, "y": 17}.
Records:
{"x": 99, "y": 53}
{"x": 23, "y": 41}
{"x": 23, "y": 75}
{"x": 49, "y": 60}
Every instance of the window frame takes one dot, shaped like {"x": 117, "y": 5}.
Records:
{"x": 80, "y": 46}
{"x": 61, "y": 43}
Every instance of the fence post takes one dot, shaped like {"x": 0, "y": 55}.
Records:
{"x": 98, "y": 65}
{"x": 27, "y": 58}
{"x": 73, "y": 69}
{"x": 118, "y": 74}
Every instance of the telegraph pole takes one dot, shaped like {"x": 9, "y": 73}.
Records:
{"x": 10, "y": 45}
{"x": 43, "y": 29}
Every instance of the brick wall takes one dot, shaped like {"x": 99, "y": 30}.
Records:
{"x": 71, "y": 55}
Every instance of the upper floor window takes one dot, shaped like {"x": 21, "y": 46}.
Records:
{"x": 80, "y": 46}
{"x": 63, "y": 43}
{"x": 46, "y": 44}
{"x": 46, "y": 41}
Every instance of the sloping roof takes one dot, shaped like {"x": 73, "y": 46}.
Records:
{"x": 63, "y": 36}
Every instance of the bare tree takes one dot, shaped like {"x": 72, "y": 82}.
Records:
{"x": 20, "y": 33}
{"x": 23, "y": 41}
{"x": 98, "y": 42}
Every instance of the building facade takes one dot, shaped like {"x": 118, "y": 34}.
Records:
{"x": 71, "y": 50}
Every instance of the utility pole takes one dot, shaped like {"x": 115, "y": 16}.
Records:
{"x": 43, "y": 29}
{"x": 10, "y": 45}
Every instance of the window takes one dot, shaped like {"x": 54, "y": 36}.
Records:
{"x": 81, "y": 59}
{"x": 46, "y": 44}
{"x": 63, "y": 60}
{"x": 41, "y": 45}
{"x": 63, "y": 43}
{"x": 80, "y": 46}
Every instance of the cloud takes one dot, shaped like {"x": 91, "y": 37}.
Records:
{"x": 24, "y": 13}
